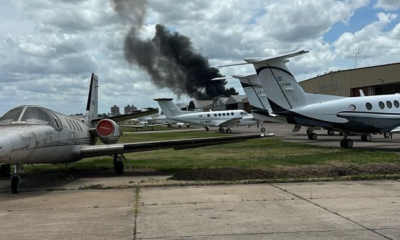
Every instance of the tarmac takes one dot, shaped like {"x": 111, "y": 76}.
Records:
{"x": 315, "y": 210}
{"x": 60, "y": 206}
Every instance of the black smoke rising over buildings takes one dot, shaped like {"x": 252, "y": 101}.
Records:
{"x": 169, "y": 58}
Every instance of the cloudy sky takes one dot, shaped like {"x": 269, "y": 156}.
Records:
{"x": 49, "y": 48}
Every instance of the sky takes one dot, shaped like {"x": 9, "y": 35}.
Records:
{"x": 49, "y": 48}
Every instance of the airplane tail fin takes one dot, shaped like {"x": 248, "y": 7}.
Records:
{"x": 168, "y": 107}
{"x": 282, "y": 89}
{"x": 92, "y": 103}
{"x": 254, "y": 92}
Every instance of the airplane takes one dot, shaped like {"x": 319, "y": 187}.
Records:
{"x": 143, "y": 123}
{"x": 261, "y": 109}
{"x": 221, "y": 119}
{"x": 36, "y": 135}
{"x": 349, "y": 115}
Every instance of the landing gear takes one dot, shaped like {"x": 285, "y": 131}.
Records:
{"x": 207, "y": 129}
{"x": 221, "y": 130}
{"x": 228, "y": 130}
{"x": 5, "y": 170}
{"x": 15, "y": 184}
{"x": 331, "y": 132}
{"x": 118, "y": 164}
{"x": 16, "y": 179}
{"x": 346, "y": 142}
{"x": 386, "y": 135}
{"x": 262, "y": 129}
{"x": 366, "y": 137}
{"x": 312, "y": 136}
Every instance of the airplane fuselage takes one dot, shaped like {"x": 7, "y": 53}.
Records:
{"x": 23, "y": 143}
{"x": 371, "y": 114}
{"x": 227, "y": 118}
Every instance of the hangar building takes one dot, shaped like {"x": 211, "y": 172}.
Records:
{"x": 375, "y": 80}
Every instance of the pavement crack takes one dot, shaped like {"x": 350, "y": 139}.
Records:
{"x": 135, "y": 211}
{"x": 335, "y": 213}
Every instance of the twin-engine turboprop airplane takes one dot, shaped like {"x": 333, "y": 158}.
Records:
{"x": 221, "y": 119}
{"x": 34, "y": 135}
{"x": 360, "y": 115}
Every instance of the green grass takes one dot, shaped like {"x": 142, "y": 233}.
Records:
{"x": 254, "y": 154}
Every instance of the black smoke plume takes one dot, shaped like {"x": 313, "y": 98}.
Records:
{"x": 169, "y": 57}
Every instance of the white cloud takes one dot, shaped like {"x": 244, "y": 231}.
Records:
{"x": 388, "y": 5}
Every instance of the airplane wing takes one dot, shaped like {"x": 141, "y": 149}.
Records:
{"x": 233, "y": 121}
{"x": 111, "y": 149}
{"x": 120, "y": 118}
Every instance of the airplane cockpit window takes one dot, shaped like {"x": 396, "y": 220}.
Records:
{"x": 37, "y": 115}
{"x": 10, "y": 116}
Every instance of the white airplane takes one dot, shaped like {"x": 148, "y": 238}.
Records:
{"x": 221, "y": 119}
{"x": 359, "y": 115}
{"x": 36, "y": 135}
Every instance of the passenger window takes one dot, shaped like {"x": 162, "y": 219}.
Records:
{"x": 223, "y": 114}
{"x": 215, "y": 115}
{"x": 231, "y": 113}
{"x": 396, "y": 103}
{"x": 368, "y": 106}
{"x": 208, "y": 115}
{"x": 389, "y": 104}
{"x": 219, "y": 114}
{"x": 381, "y": 105}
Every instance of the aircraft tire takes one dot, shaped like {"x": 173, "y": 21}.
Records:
{"x": 331, "y": 132}
{"x": 207, "y": 129}
{"x": 312, "y": 136}
{"x": 368, "y": 137}
{"x": 5, "y": 170}
{"x": 228, "y": 131}
{"x": 15, "y": 184}
{"x": 262, "y": 129}
{"x": 221, "y": 130}
{"x": 346, "y": 143}
{"x": 119, "y": 167}
{"x": 386, "y": 135}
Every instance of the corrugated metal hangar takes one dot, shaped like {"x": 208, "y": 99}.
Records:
{"x": 375, "y": 80}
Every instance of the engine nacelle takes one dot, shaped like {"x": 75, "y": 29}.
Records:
{"x": 108, "y": 131}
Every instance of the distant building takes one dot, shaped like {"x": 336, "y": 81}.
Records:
{"x": 115, "y": 111}
{"x": 129, "y": 109}
{"x": 235, "y": 102}
{"x": 219, "y": 103}
{"x": 200, "y": 105}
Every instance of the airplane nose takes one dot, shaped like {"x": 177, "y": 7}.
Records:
{"x": 5, "y": 147}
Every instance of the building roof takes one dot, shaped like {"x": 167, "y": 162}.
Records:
{"x": 201, "y": 103}
{"x": 235, "y": 99}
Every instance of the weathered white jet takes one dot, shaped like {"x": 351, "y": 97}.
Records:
{"x": 221, "y": 119}
{"x": 360, "y": 115}
{"x": 34, "y": 135}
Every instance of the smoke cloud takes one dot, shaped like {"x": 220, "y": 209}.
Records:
{"x": 169, "y": 57}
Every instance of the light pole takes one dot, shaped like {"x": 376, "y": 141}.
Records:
{"x": 355, "y": 58}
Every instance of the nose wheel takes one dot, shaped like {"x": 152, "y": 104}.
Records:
{"x": 16, "y": 179}
{"x": 346, "y": 143}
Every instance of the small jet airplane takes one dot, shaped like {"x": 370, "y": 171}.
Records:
{"x": 36, "y": 135}
{"x": 360, "y": 115}
{"x": 221, "y": 119}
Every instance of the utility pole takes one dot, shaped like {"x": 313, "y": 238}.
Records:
{"x": 355, "y": 58}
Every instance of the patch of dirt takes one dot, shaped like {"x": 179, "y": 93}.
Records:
{"x": 313, "y": 171}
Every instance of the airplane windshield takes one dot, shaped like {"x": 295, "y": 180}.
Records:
{"x": 12, "y": 115}
{"x": 30, "y": 115}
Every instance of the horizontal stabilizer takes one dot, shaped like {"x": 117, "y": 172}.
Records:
{"x": 283, "y": 57}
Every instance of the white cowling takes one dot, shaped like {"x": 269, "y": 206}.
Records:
{"x": 108, "y": 131}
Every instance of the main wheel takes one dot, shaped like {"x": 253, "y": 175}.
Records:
{"x": 119, "y": 167}
{"x": 5, "y": 170}
{"x": 15, "y": 184}
{"x": 228, "y": 130}
{"x": 207, "y": 128}
{"x": 221, "y": 130}
{"x": 312, "y": 136}
{"x": 331, "y": 132}
{"x": 348, "y": 143}
{"x": 368, "y": 137}
{"x": 386, "y": 135}
{"x": 262, "y": 129}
